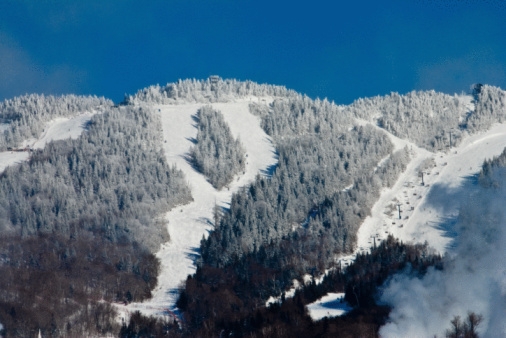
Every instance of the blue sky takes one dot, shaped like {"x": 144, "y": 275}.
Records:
{"x": 335, "y": 49}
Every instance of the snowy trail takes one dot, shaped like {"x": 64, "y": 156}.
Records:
{"x": 432, "y": 220}
{"x": 188, "y": 223}
{"x": 63, "y": 128}
{"x": 426, "y": 208}
{"x": 8, "y": 158}
{"x": 57, "y": 129}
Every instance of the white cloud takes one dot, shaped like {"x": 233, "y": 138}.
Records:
{"x": 474, "y": 277}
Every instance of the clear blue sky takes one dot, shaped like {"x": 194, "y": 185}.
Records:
{"x": 335, "y": 49}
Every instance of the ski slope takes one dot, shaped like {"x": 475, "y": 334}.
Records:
{"x": 57, "y": 129}
{"x": 63, "y": 128}
{"x": 187, "y": 224}
{"x": 428, "y": 211}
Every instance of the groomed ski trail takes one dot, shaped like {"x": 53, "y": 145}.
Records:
{"x": 187, "y": 224}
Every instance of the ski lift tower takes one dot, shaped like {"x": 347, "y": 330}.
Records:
{"x": 214, "y": 79}
{"x": 399, "y": 207}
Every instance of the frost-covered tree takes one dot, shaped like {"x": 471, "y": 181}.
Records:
{"x": 25, "y": 117}
{"x": 79, "y": 223}
{"x": 111, "y": 180}
{"x": 217, "y": 154}
{"x": 425, "y": 117}
{"x": 324, "y": 185}
{"x": 205, "y": 91}
{"x": 490, "y": 108}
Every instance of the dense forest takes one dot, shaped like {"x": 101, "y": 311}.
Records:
{"x": 428, "y": 118}
{"x": 212, "y": 305}
{"x": 490, "y": 107}
{"x": 425, "y": 118}
{"x": 323, "y": 187}
{"x": 216, "y": 153}
{"x": 80, "y": 223}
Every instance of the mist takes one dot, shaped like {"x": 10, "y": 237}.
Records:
{"x": 473, "y": 278}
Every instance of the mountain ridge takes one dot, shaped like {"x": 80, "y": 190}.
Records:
{"x": 334, "y": 164}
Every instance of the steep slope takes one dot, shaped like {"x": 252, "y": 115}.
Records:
{"x": 429, "y": 212}
{"x": 190, "y": 223}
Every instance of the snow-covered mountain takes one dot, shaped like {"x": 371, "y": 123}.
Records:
{"x": 314, "y": 185}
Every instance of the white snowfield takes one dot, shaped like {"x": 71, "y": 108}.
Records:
{"x": 63, "y": 128}
{"x": 330, "y": 305}
{"x": 189, "y": 223}
{"x": 8, "y": 158}
{"x": 57, "y": 129}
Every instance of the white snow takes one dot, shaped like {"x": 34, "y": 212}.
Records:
{"x": 330, "y": 305}
{"x": 57, "y": 129}
{"x": 189, "y": 223}
{"x": 427, "y": 210}
{"x": 63, "y": 128}
{"x": 8, "y": 158}
{"x": 428, "y": 221}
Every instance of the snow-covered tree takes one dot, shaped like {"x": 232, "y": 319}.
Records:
{"x": 26, "y": 116}
{"x": 217, "y": 154}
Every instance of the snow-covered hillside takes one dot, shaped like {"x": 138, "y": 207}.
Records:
{"x": 421, "y": 206}
{"x": 472, "y": 216}
{"x": 426, "y": 209}
{"x": 57, "y": 129}
{"x": 189, "y": 223}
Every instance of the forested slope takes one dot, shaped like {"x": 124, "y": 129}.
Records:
{"x": 80, "y": 221}
{"x": 296, "y": 221}
{"x": 81, "y": 218}
{"x": 427, "y": 118}
{"x": 27, "y": 115}
{"x": 490, "y": 107}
